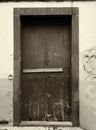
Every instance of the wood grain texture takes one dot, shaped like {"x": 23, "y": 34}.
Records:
{"x": 17, "y": 68}
{"x": 33, "y": 45}
{"x": 46, "y": 11}
{"x": 75, "y": 70}
{"x": 33, "y": 91}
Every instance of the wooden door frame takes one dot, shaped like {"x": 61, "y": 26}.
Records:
{"x": 74, "y": 13}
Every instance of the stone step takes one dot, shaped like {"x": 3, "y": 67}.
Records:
{"x": 40, "y": 128}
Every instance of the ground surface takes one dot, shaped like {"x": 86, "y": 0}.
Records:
{"x": 40, "y": 128}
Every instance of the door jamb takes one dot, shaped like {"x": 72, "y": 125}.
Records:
{"x": 74, "y": 13}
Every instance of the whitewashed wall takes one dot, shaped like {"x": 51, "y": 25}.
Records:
{"x": 87, "y": 40}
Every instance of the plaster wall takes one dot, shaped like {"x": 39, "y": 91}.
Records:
{"x": 87, "y": 40}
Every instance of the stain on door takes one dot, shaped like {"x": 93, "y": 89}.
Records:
{"x": 46, "y": 68}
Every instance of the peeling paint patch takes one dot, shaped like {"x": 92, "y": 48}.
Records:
{"x": 89, "y": 64}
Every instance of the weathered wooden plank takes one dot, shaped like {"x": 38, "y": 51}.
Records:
{"x": 17, "y": 38}
{"x": 46, "y": 11}
{"x": 75, "y": 71}
{"x": 75, "y": 38}
{"x": 33, "y": 96}
{"x": 33, "y": 43}
{"x": 42, "y": 70}
{"x": 17, "y": 67}
{"x": 75, "y": 113}
{"x": 16, "y": 93}
{"x": 58, "y": 95}
{"x": 75, "y": 82}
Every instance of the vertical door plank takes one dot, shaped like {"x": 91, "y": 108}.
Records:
{"x": 33, "y": 57}
{"x": 58, "y": 98}
{"x": 37, "y": 99}
{"x": 59, "y": 45}
{"x": 59, "y": 55}
{"x": 54, "y": 46}
{"x": 33, "y": 96}
{"x": 33, "y": 45}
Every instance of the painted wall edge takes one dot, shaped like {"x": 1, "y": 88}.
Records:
{"x": 44, "y": 0}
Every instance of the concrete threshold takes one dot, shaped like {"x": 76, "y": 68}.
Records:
{"x": 40, "y": 128}
{"x": 46, "y": 124}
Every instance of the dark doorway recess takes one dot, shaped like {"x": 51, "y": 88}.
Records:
{"x": 46, "y": 67}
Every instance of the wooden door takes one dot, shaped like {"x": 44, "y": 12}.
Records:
{"x": 46, "y": 68}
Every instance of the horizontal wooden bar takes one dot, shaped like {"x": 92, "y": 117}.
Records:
{"x": 42, "y": 70}
{"x": 46, "y": 123}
